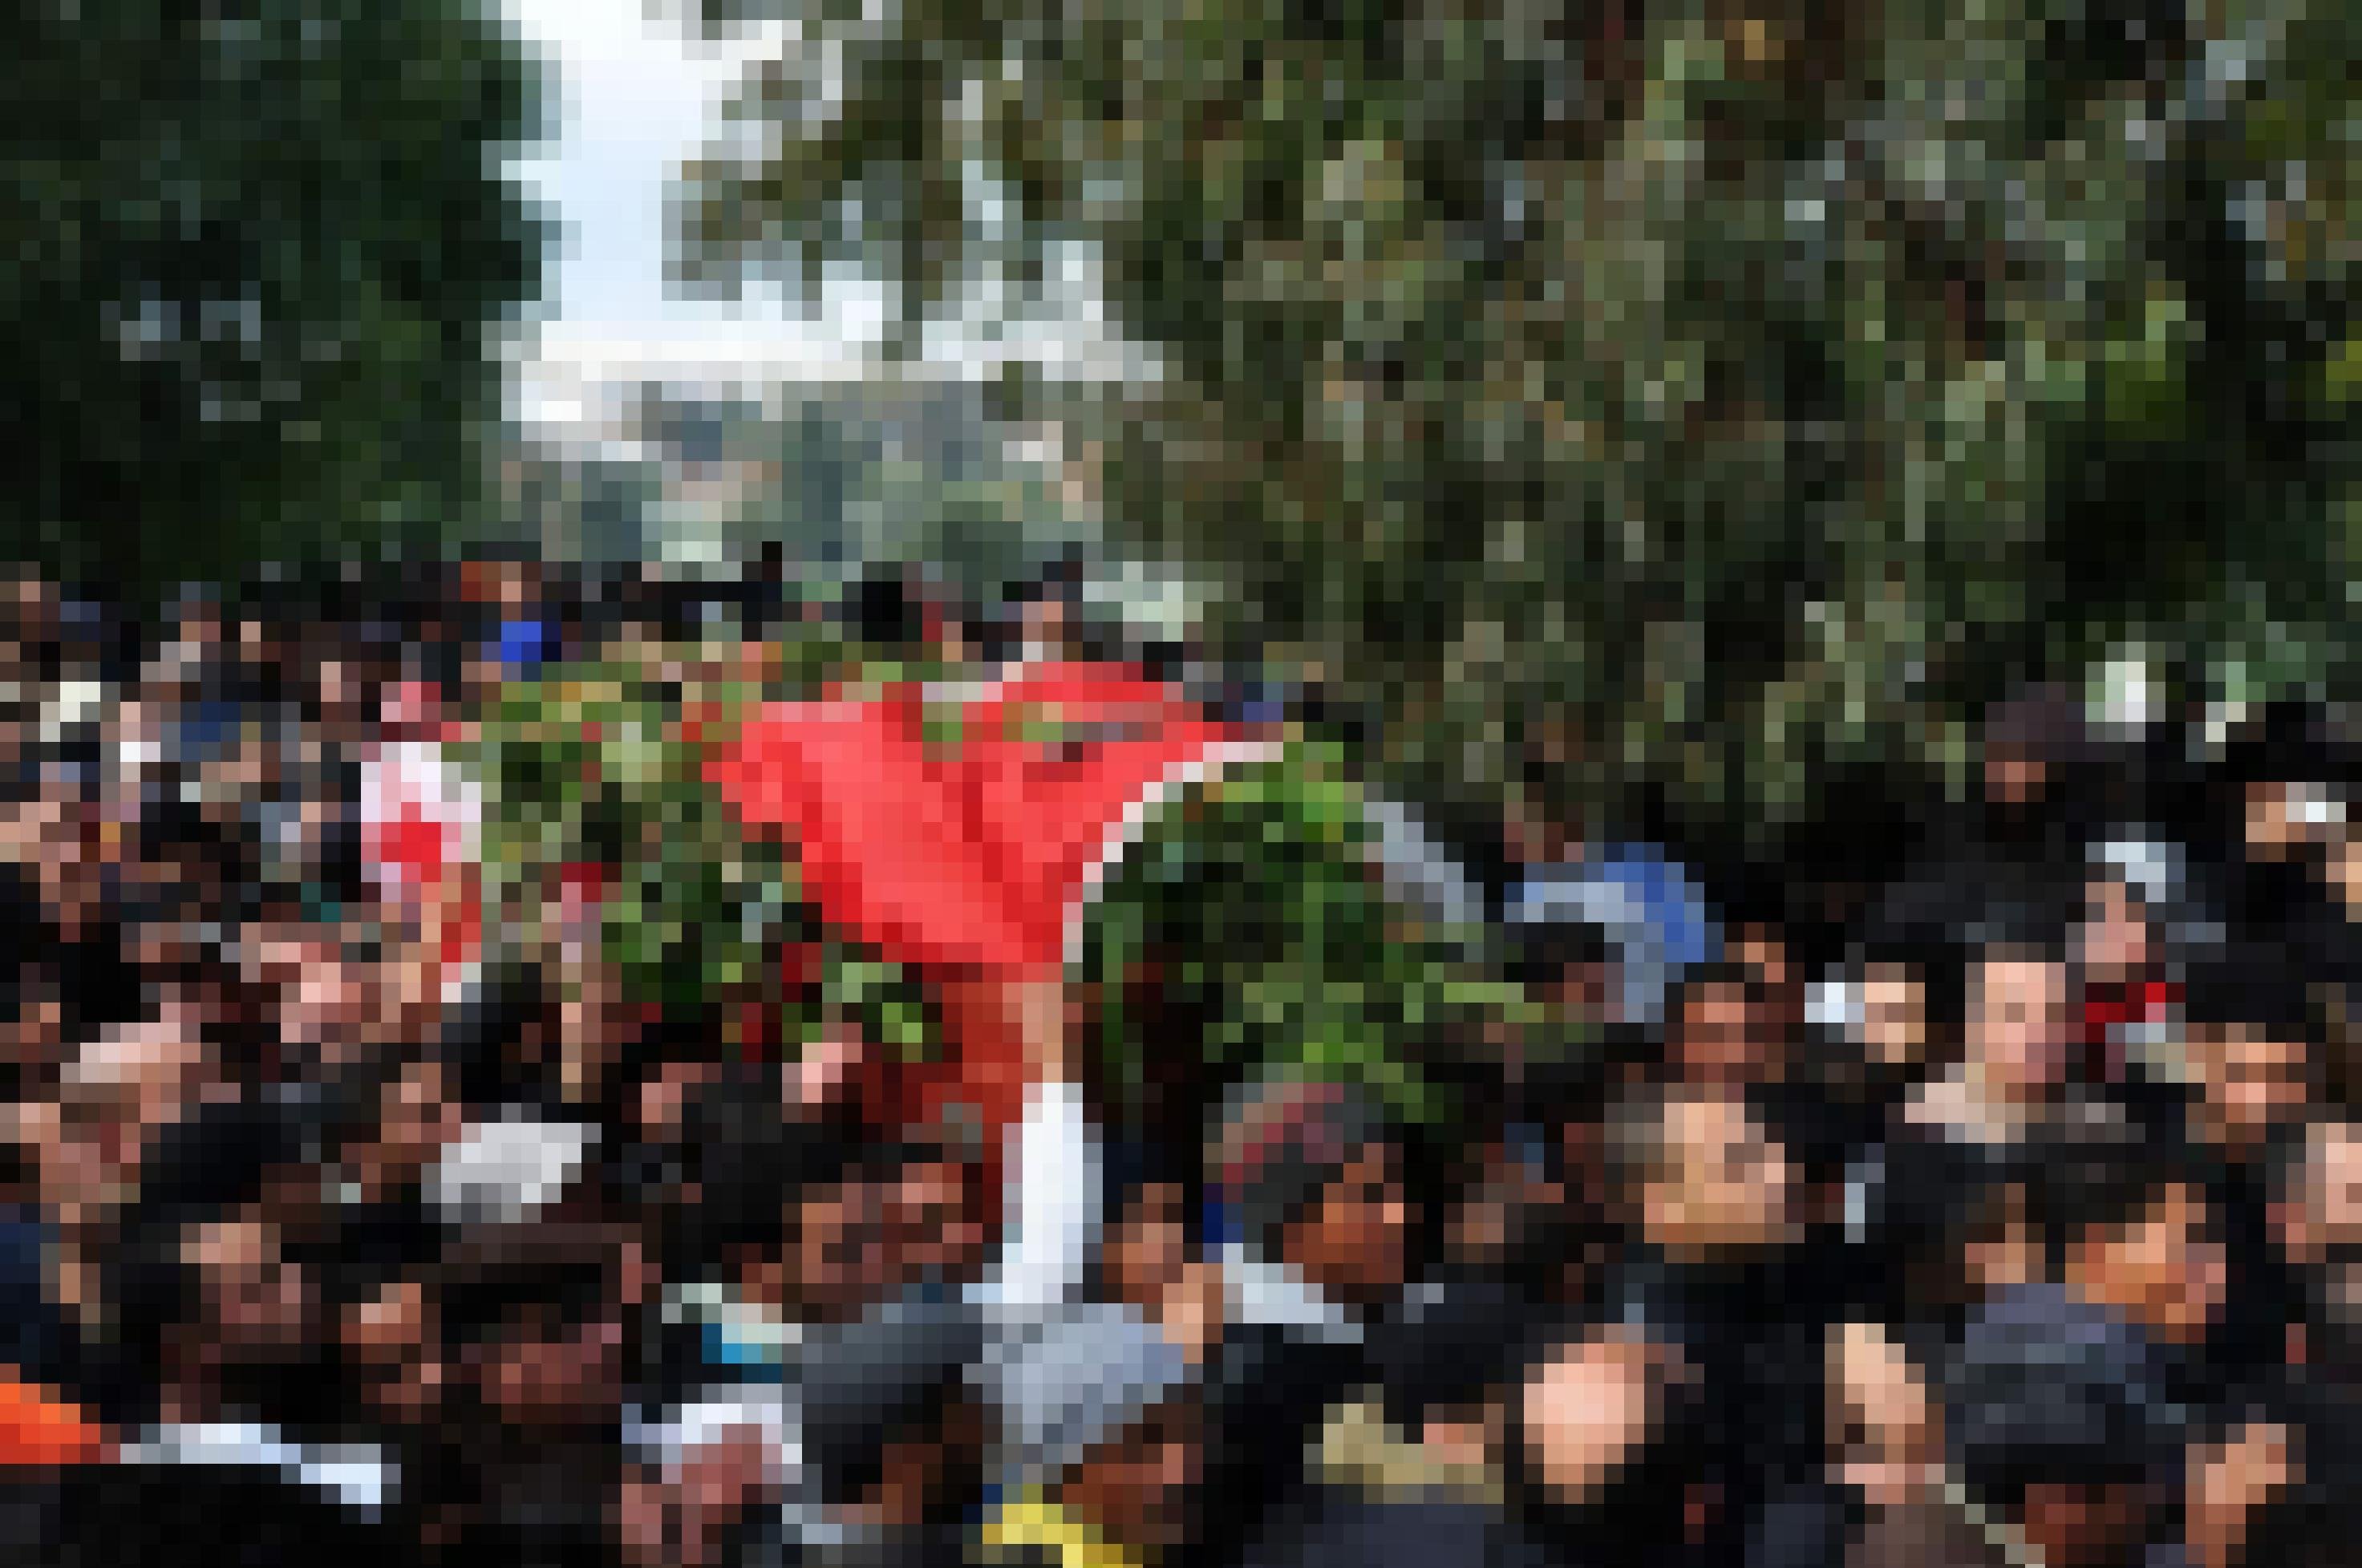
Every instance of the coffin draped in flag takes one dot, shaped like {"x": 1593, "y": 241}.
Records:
{"x": 960, "y": 834}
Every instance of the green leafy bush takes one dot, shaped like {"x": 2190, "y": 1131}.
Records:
{"x": 602, "y": 765}
{"x": 1251, "y": 912}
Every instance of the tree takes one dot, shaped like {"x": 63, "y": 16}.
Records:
{"x": 1713, "y": 395}
{"x": 255, "y": 248}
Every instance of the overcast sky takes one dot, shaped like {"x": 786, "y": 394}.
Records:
{"x": 639, "y": 97}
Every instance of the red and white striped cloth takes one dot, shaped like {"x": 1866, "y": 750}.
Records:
{"x": 422, "y": 826}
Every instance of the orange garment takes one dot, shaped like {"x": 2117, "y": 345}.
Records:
{"x": 38, "y": 1428}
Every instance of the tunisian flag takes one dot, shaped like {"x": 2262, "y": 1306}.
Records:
{"x": 963, "y": 836}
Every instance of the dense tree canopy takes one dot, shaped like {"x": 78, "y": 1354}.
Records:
{"x": 256, "y": 250}
{"x": 1754, "y": 387}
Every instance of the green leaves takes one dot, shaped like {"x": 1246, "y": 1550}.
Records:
{"x": 590, "y": 766}
{"x": 599, "y": 769}
{"x": 255, "y": 278}
{"x": 1251, "y": 908}
{"x": 1986, "y": 327}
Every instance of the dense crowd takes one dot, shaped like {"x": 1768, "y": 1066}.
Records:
{"x": 2001, "y": 1206}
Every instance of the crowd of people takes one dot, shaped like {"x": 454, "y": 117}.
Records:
{"x": 2005, "y": 1209}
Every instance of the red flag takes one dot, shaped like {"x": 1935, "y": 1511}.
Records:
{"x": 1053, "y": 770}
{"x": 978, "y": 852}
{"x": 970, "y": 860}
{"x": 884, "y": 849}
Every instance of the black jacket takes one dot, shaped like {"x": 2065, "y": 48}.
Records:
{"x": 1333, "y": 1527}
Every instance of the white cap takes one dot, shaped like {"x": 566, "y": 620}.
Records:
{"x": 1835, "y": 1003}
{"x": 508, "y": 1170}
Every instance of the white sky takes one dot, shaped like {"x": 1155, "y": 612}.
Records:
{"x": 639, "y": 97}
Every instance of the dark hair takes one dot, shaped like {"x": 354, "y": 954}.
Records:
{"x": 2106, "y": 1183}
{"x": 2289, "y": 741}
{"x": 1723, "y": 975}
{"x": 1284, "y": 1143}
{"x": 1636, "y": 1148}
{"x": 2045, "y": 723}
{"x": 1940, "y": 969}
{"x": 1135, "y": 1165}
{"x": 201, "y": 1169}
{"x": 1540, "y": 950}
{"x": 2032, "y": 921}
{"x": 481, "y": 1303}
{"x": 882, "y": 608}
{"x": 754, "y": 1168}
{"x": 739, "y": 1154}
{"x": 1573, "y": 1086}
{"x": 1449, "y": 1344}
{"x": 472, "y": 1038}
{"x": 218, "y": 1159}
{"x": 2254, "y": 986}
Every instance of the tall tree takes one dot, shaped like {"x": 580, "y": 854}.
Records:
{"x": 254, "y": 252}
{"x": 1749, "y": 387}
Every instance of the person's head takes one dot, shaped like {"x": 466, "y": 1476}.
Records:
{"x": 2285, "y": 775}
{"x": 892, "y": 1413}
{"x": 1352, "y": 1237}
{"x": 1535, "y": 832}
{"x": 210, "y": 1282}
{"x": 914, "y": 1463}
{"x": 1316, "y": 1173}
{"x": 255, "y": 1300}
{"x": 388, "y": 1339}
{"x": 1509, "y": 1208}
{"x": 1725, "y": 1028}
{"x": 1891, "y": 1014}
{"x": 2136, "y": 1234}
{"x": 1700, "y": 1175}
{"x": 863, "y": 1220}
{"x": 1139, "y": 1486}
{"x": 2086, "y": 1524}
{"x": 2020, "y": 1020}
{"x": 1049, "y": 608}
{"x": 1571, "y": 965}
{"x": 1146, "y": 1242}
{"x": 2282, "y": 820}
{"x": 839, "y": 1240}
{"x": 2056, "y": 1414}
{"x": 2317, "y": 1221}
{"x": 533, "y": 1321}
{"x": 741, "y": 1169}
{"x": 1449, "y": 1360}
{"x": 404, "y": 1113}
{"x": 1098, "y": 1406}
{"x": 88, "y": 1144}
{"x": 2118, "y": 940}
{"x": 1896, "y": 1024}
{"x": 935, "y": 1216}
{"x": 2318, "y": 1211}
{"x": 2030, "y": 742}
{"x": 322, "y": 989}
{"x": 2248, "y": 1047}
